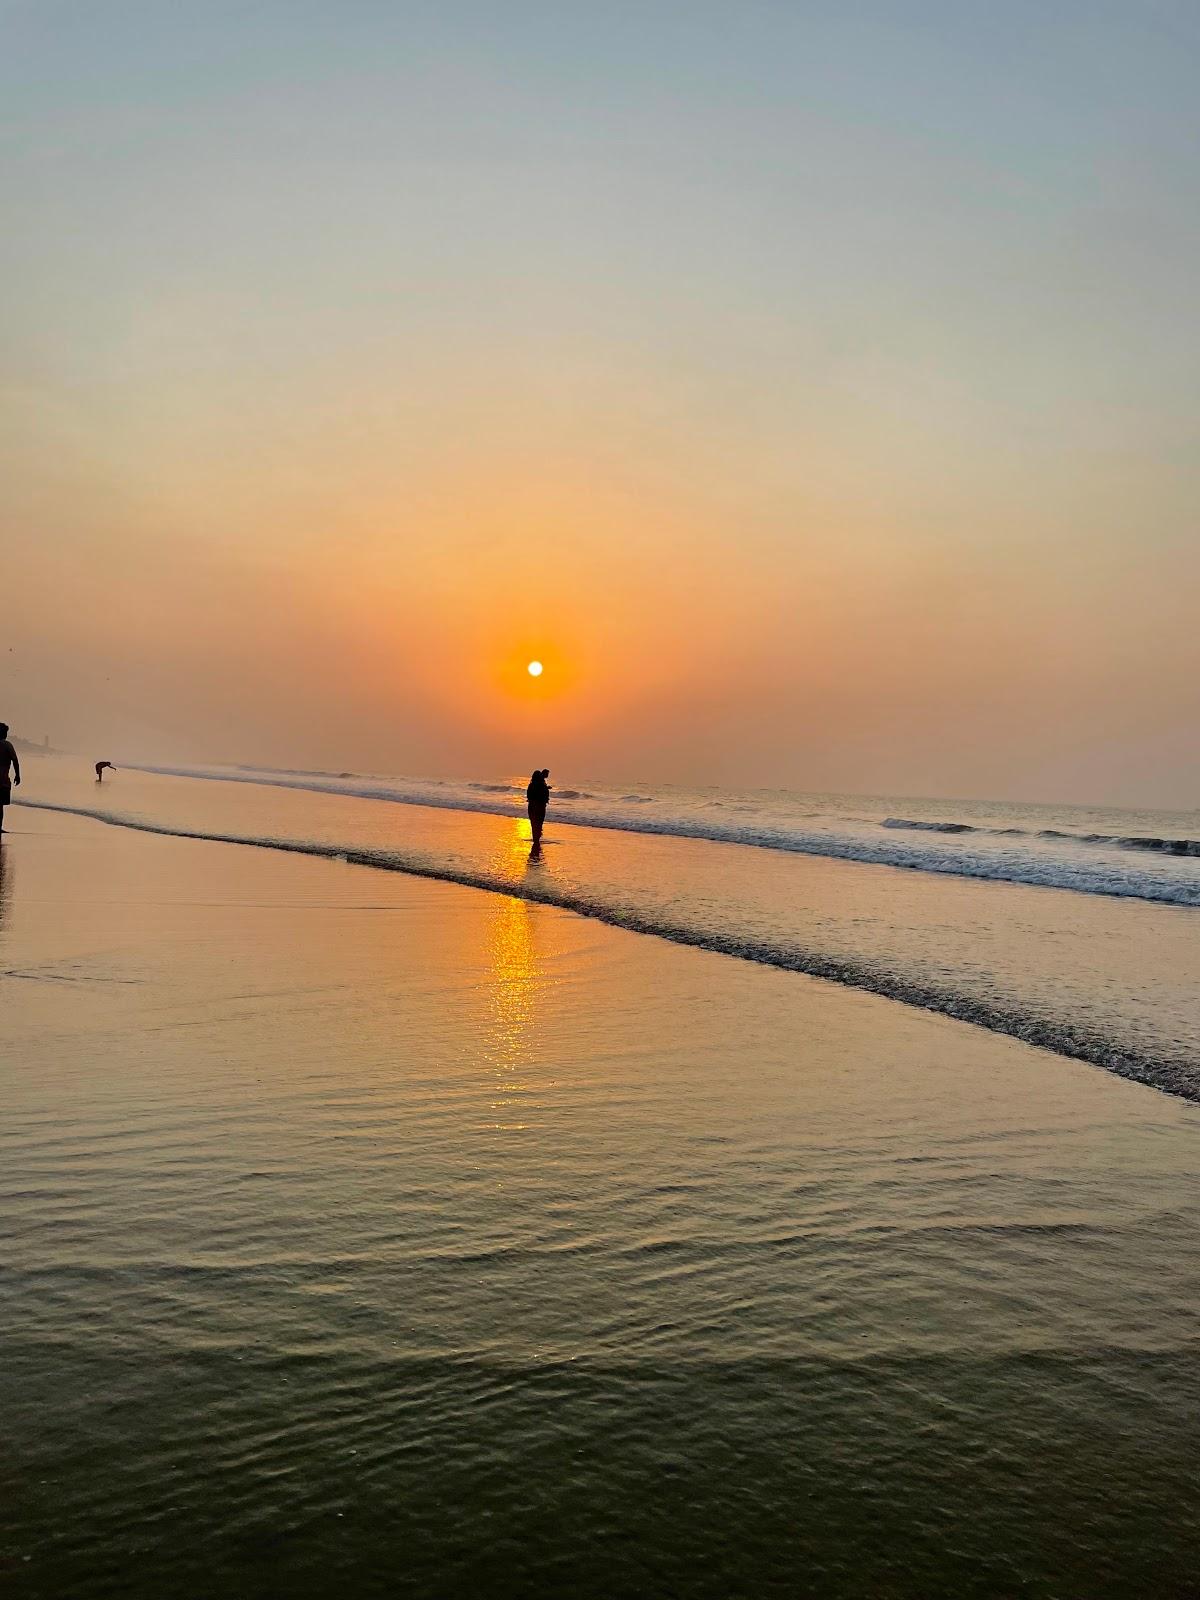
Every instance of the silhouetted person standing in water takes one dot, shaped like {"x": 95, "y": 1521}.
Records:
{"x": 538, "y": 796}
{"x": 100, "y": 766}
{"x": 8, "y": 759}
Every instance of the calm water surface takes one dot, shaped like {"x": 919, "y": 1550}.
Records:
{"x": 373, "y": 1234}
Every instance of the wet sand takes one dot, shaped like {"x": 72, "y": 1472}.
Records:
{"x": 366, "y": 1231}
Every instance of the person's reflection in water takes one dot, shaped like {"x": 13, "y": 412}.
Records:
{"x": 538, "y": 796}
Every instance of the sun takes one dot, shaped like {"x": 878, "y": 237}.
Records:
{"x": 534, "y": 669}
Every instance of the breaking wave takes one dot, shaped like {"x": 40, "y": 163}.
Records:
{"x": 928, "y": 827}
{"x": 1120, "y": 841}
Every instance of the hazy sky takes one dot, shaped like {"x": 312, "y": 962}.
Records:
{"x": 814, "y": 388}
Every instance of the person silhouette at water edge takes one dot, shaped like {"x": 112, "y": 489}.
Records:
{"x": 100, "y": 766}
{"x": 538, "y": 796}
{"x": 9, "y": 759}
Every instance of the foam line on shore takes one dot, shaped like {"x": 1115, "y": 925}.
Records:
{"x": 1178, "y": 1076}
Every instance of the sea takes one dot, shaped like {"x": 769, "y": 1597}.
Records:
{"x": 1071, "y": 927}
{"x": 748, "y": 1194}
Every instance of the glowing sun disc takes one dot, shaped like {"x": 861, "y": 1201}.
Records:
{"x": 534, "y": 669}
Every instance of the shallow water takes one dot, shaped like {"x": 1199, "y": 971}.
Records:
{"x": 369, "y": 1233}
{"x": 1110, "y": 979}
{"x": 1131, "y": 854}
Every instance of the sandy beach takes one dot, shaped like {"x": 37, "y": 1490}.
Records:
{"x": 393, "y": 1235}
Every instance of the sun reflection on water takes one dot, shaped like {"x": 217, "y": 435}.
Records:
{"x": 514, "y": 990}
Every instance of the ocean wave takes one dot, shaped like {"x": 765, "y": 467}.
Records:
{"x": 1169, "y": 847}
{"x": 288, "y": 772}
{"x": 1078, "y": 1040}
{"x": 1119, "y": 841}
{"x": 928, "y": 827}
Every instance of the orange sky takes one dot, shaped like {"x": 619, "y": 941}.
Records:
{"x": 818, "y": 409}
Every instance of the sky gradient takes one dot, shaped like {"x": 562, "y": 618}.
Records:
{"x": 813, "y": 388}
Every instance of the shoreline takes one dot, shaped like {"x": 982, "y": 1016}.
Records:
{"x": 822, "y": 846}
{"x": 1178, "y": 1077}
